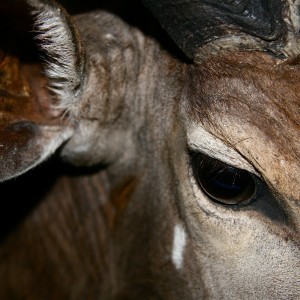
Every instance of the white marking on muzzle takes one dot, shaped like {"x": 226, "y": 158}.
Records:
{"x": 179, "y": 242}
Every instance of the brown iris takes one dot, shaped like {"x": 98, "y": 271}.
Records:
{"x": 223, "y": 183}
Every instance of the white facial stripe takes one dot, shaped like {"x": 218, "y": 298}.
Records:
{"x": 179, "y": 242}
{"x": 202, "y": 141}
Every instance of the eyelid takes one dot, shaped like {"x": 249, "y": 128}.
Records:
{"x": 200, "y": 140}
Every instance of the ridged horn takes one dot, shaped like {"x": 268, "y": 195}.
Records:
{"x": 266, "y": 25}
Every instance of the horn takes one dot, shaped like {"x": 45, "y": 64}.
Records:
{"x": 203, "y": 27}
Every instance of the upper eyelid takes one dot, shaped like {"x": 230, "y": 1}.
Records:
{"x": 200, "y": 140}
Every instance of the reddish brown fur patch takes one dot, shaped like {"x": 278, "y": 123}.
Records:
{"x": 23, "y": 92}
{"x": 27, "y": 116}
{"x": 121, "y": 195}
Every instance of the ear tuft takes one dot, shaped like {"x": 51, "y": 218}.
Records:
{"x": 64, "y": 54}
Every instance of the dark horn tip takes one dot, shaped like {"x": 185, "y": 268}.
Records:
{"x": 192, "y": 24}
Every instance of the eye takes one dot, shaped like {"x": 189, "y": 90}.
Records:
{"x": 223, "y": 183}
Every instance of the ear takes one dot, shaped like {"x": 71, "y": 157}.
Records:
{"x": 37, "y": 98}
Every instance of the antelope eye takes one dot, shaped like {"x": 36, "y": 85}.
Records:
{"x": 223, "y": 183}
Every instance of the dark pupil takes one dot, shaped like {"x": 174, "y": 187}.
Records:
{"x": 223, "y": 183}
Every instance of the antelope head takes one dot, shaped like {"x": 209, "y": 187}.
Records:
{"x": 210, "y": 143}
{"x": 241, "y": 108}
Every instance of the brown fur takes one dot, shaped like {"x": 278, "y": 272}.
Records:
{"x": 225, "y": 91}
{"x": 109, "y": 233}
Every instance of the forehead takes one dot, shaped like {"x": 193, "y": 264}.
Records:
{"x": 257, "y": 76}
{"x": 251, "y": 102}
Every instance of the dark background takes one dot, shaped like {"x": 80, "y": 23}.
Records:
{"x": 131, "y": 11}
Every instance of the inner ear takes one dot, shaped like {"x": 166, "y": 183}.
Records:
{"x": 24, "y": 86}
{"x": 31, "y": 125}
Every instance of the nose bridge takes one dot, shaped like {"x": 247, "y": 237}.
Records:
{"x": 293, "y": 208}
{"x": 278, "y": 161}
{"x": 281, "y": 161}
{"x": 286, "y": 181}
{"x": 282, "y": 172}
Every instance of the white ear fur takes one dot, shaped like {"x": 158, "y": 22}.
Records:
{"x": 59, "y": 40}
